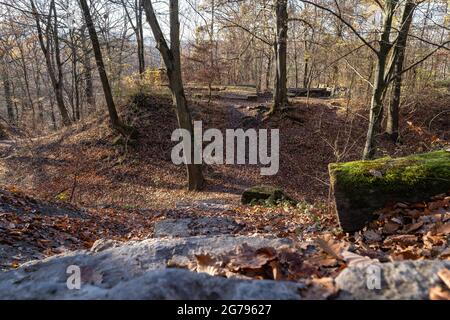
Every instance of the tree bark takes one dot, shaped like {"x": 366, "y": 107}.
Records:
{"x": 392, "y": 126}
{"x": 7, "y": 90}
{"x": 140, "y": 37}
{"x": 56, "y": 82}
{"x": 280, "y": 90}
{"x": 87, "y": 68}
{"x": 171, "y": 57}
{"x": 113, "y": 116}
{"x": 381, "y": 83}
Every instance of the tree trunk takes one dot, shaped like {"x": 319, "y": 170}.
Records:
{"x": 280, "y": 91}
{"x": 171, "y": 57}
{"x": 7, "y": 91}
{"x": 113, "y": 116}
{"x": 56, "y": 83}
{"x": 89, "y": 88}
{"x": 381, "y": 84}
{"x": 140, "y": 37}
{"x": 392, "y": 126}
{"x": 268, "y": 68}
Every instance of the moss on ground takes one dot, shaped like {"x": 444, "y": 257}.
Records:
{"x": 266, "y": 195}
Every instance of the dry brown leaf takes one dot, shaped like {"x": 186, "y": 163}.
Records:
{"x": 410, "y": 253}
{"x": 208, "y": 264}
{"x": 331, "y": 247}
{"x": 390, "y": 227}
{"x": 444, "y": 274}
{"x": 436, "y": 204}
{"x": 248, "y": 258}
{"x": 405, "y": 239}
{"x": 444, "y": 229}
{"x": 412, "y": 227}
{"x": 431, "y": 240}
{"x": 437, "y": 293}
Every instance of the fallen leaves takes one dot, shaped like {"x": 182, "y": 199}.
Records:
{"x": 438, "y": 292}
{"x": 31, "y": 232}
{"x": 267, "y": 263}
{"x": 331, "y": 247}
{"x": 444, "y": 275}
{"x": 339, "y": 251}
{"x": 248, "y": 262}
{"x": 408, "y": 231}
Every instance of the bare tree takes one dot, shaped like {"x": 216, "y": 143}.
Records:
{"x": 6, "y": 87}
{"x": 397, "y": 63}
{"x": 172, "y": 60}
{"x": 57, "y": 81}
{"x": 280, "y": 90}
{"x": 113, "y": 116}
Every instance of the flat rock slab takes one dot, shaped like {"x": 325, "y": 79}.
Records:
{"x": 404, "y": 280}
{"x": 113, "y": 270}
{"x": 196, "y": 226}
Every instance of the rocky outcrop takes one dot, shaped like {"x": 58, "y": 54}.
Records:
{"x": 137, "y": 270}
{"x": 141, "y": 270}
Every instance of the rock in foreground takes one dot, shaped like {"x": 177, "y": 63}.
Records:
{"x": 136, "y": 270}
{"x": 406, "y": 280}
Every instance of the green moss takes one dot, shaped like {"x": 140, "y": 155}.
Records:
{"x": 427, "y": 173}
{"x": 264, "y": 195}
{"x": 362, "y": 187}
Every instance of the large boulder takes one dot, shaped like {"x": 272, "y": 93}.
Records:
{"x": 403, "y": 280}
{"x": 362, "y": 187}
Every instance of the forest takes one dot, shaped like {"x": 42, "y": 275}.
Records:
{"x": 225, "y": 150}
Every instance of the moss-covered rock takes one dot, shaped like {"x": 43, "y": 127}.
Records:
{"x": 361, "y": 187}
{"x": 264, "y": 195}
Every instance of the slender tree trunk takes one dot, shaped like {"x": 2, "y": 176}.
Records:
{"x": 56, "y": 83}
{"x": 87, "y": 68}
{"x": 7, "y": 90}
{"x": 113, "y": 116}
{"x": 52, "y": 113}
{"x": 268, "y": 68}
{"x": 39, "y": 102}
{"x": 140, "y": 37}
{"x": 306, "y": 67}
{"x": 171, "y": 57}
{"x": 280, "y": 92}
{"x": 26, "y": 80}
{"x": 381, "y": 84}
{"x": 392, "y": 126}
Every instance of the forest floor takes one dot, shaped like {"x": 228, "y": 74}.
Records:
{"x": 65, "y": 190}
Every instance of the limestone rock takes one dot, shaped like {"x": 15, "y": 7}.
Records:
{"x": 398, "y": 281}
